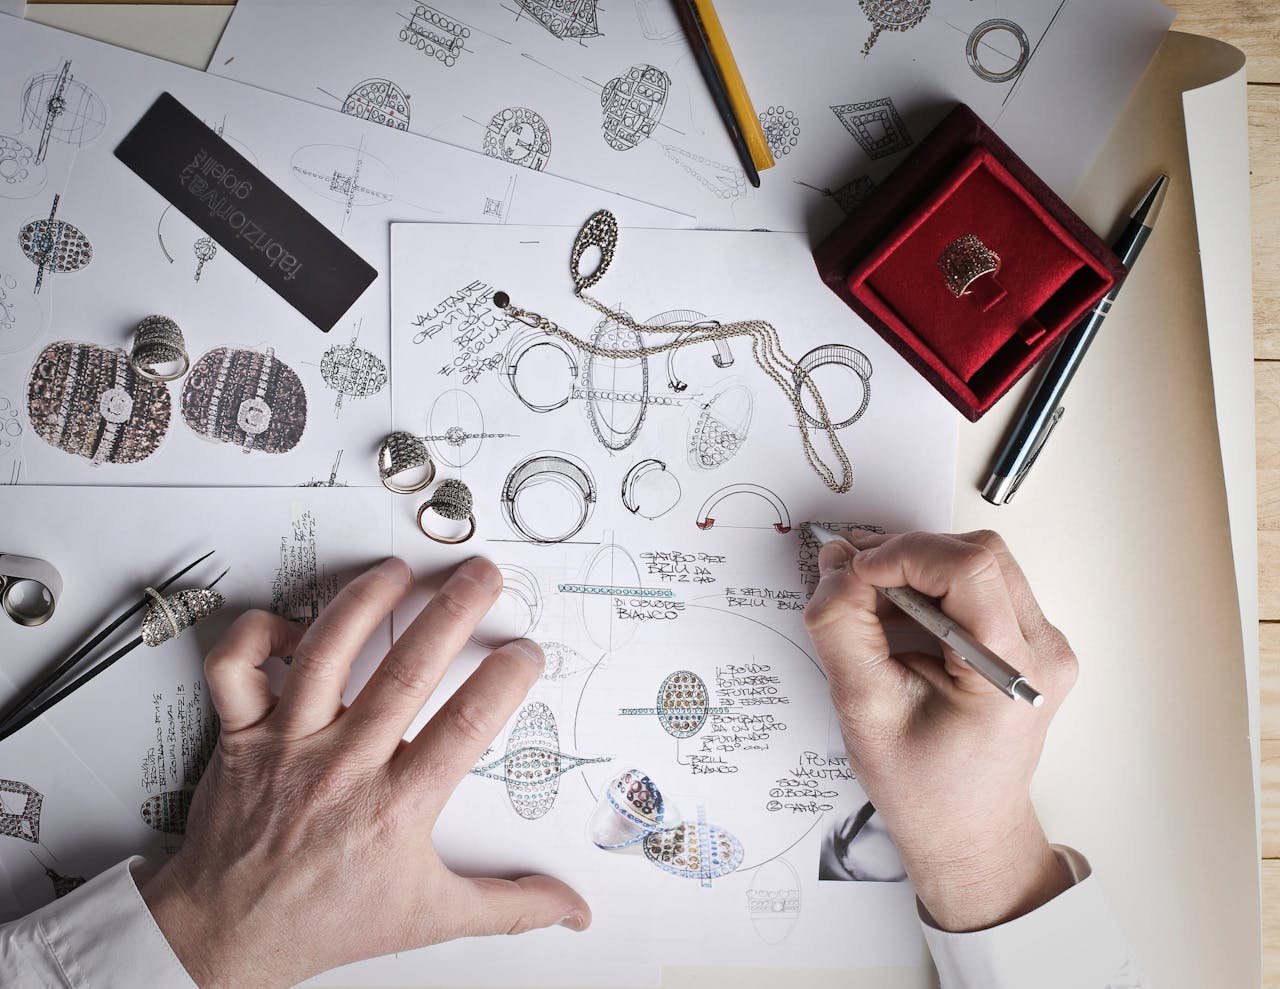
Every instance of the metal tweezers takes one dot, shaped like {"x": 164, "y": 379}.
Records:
{"x": 29, "y": 706}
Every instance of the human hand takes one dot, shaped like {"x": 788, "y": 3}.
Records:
{"x": 308, "y": 842}
{"x": 946, "y": 758}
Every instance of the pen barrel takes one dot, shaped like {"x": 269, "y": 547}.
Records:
{"x": 927, "y": 614}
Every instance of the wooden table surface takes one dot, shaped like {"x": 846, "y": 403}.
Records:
{"x": 1254, "y": 27}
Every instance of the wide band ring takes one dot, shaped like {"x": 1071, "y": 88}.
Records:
{"x": 401, "y": 453}
{"x": 451, "y": 500}
{"x": 964, "y": 261}
{"x": 157, "y": 342}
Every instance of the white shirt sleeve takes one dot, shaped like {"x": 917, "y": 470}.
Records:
{"x": 97, "y": 937}
{"x": 1072, "y": 942}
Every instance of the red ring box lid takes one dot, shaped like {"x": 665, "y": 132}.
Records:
{"x": 883, "y": 262}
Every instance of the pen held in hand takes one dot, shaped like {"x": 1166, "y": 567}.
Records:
{"x": 931, "y": 618}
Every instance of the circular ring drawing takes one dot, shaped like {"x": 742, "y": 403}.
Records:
{"x": 379, "y": 100}
{"x": 978, "y": 39}
{"x": 535, "y": 347}
{"x": 892, "y": 15}
{"x": 21, "y": 175}
{"x": 566, "y": 483}
{"x": 650, "y": 490}
{"x": 517, "y": 611}
{"x": 837, "y": 355}
{"x": 706, "y": 518}
{"x": 632, "y": 105}
{"x": 520, "y": 136}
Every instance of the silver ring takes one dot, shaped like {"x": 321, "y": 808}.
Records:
{"x": 8, "y": 585}
{"x": 158, "y": 341}
{"x": 964, "y": 261}
{"x": 451, "y": 500}
{"x": 16, "y": 571}
{"x": 400, "y": 453}
{"x": 169, "y": 616}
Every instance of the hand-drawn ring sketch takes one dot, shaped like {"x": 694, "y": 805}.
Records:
{"x": 456, "y": 428}
{"x": 720, "y": 428}
{"x": 617, "y": 388}
{"x": 53, "y": 245}
{"x": 352, "y": 372}
{"x": 722, "y": 358}
{"x": 21, "y": 316}
{"x": 350, "y": 176}
{"x": 722, "y": 181}
{"x": 631, "y": 105}
{"x": 682, "y": 707}
{"x": 11, "y": 430}
{"x": 20, "y": 805}
{"x": 87, "y": 400}
{"x": 517, "y": 611}
{"x": 979, "y": 39}
{"x": 876, "y": 126}
{"x": 245, "y": 397}
{"x": 892, "y": 15}
{"x": 434, "y": 33}
{"x": 650, "y": 490}
{"x": 658, "y": 21}
{"x": 773, "y": 901}
{"x": 562, "y": 662}
{"x": 518, "y": 135}
{"x": 564, "y": 18}
{"x": 630, "y": 808}
{"x": 21, "y": 176}
{"x": 707, "y": 518}
{"x": 532, "y": 765}
{"x": 378, "y": 100}
{"x": 836, "y": 355}
{"x": 167, "y": 812}
{"x": 781, "y": 129}
{"x": 568, "y": 486}
{"x": 609, "y": 572}
{"x": 539, "y": 390}
{"x": 62, "y": 108}
{"x": 695, "y": 850}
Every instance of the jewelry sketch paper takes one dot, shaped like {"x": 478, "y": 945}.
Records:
{"x": 91, "y": 250}
{"x": 649, "y": 516}
{"x": 609, "y": 94}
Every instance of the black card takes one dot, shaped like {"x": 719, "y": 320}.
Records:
{"x": 250, "y": 216}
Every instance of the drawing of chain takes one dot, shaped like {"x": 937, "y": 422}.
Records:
{"x": 601, "y": 231}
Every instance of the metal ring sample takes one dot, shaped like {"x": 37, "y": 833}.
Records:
{"x": 158, "y": 341}
{"x": 975, "y": 40}
{"x": 400, "y": 453}
{"x": 520, "y": 347}
{"x": 547, "y": 468}
{"x": 706, "y": 520}
{"x": 600, "y": 230}
{"x": 964, "y": 261}
{"x": 18, "y": 571}
{"x": 451, "y": 500}
{"x": 844, "y": 356}
{"x": 170, "y": 615}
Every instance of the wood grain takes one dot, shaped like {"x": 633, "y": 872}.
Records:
{"x": 1250, "y": 25}
{"x": 1264, "y": 168}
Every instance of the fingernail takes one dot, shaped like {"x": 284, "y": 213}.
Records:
{"x": 832, "y": 559}
{"x": 481, "y": 571}
{"x": 394, "y": 568}
{"x": 574, "y": 922}
{"x": 530, "y": 650}
{"x": 859, "y": 537}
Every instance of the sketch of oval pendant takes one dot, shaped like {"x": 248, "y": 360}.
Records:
{"x": 892, "y": 15}
{"x": 617, "y": 387}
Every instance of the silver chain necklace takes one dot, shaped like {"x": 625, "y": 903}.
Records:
{"x": 601, "y": 231}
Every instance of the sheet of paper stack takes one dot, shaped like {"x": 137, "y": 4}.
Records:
{"x": 609, "y": 93}
{"x": 123, "y": 253}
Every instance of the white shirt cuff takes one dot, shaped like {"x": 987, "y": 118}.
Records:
{"x": 100, "y": 935}
{"x": 1071, "y": 942}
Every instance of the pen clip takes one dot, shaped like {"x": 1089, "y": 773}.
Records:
{"x": 1032, "y": 457}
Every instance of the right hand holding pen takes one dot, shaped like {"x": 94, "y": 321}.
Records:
{"x": 946, "y": 758}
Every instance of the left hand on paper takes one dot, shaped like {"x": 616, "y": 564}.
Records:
{"x": 308, "y": 843}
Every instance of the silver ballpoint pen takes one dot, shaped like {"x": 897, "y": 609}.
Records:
{"x": 930, "y": 617}
{"x": 1043, "y": 410}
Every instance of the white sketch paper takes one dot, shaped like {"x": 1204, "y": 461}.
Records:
{"x": 649, "y": 519}
{"x": 609, "y": 93}
{"x": 89, "y": 249}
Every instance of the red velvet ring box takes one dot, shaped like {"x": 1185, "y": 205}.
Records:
{"x": 884, "y": 262}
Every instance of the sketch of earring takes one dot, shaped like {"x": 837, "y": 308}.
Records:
{"x": 402, "y": 453}
{"x": 159, "y": 350}
{"x": 451, "y": 500}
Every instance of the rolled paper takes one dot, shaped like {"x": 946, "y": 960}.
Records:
{"x": 168, "y": 617}
{"x": 630, "y": 809}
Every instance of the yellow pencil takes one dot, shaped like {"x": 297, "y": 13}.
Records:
{"x": 739, "y": 99}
